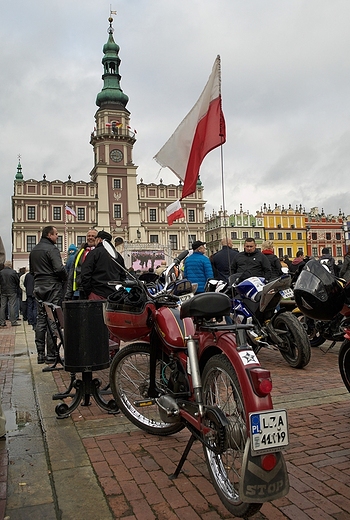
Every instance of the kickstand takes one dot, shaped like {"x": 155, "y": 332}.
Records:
{"x": 325, "y": 350}
{"x": 174, "y": 475}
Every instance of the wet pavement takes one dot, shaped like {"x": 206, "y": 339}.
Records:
{"x": 97, "y": 466}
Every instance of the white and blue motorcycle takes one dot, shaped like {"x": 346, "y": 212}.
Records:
{"x": 258, "y": 303}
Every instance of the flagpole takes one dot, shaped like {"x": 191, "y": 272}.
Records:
{"x": 65, "y": 233}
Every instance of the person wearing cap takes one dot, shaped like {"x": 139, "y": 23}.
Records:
{"x": 198, "y": 267}
{"x": 99, "y": 268}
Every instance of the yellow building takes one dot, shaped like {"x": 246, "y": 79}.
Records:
{"x": 286, "y": 228}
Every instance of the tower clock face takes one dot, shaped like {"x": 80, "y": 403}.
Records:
{"x": 116, "y": 155}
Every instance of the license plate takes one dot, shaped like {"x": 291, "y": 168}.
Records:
{"x": 185, "y": 297}
{"x": 287, "y": 293}
{"x": 269, "y": 431}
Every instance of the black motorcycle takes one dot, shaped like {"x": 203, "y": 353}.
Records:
{"x": 325, "y": 301}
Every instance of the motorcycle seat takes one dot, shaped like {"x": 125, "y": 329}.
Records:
{"x": 206, "y": 306}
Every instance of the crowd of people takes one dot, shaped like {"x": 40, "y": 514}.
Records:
{"x": 89, "y": 269}
{"x": 231, "y": 265}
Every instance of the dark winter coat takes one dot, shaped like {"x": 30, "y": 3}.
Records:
{"x": 276, "y": 267}
{"x": 222, "y": 261}
{"x": 45, "y": 263}
{"x": 98, "y": 269}
{"x": 198, "y": 269}
{"x": 328, "y": 261}
{"x": 246, "y": 265}
{"x": 29, "y": 284}
{"x": 9, "y": 281}
{"x": 345, "y": 268}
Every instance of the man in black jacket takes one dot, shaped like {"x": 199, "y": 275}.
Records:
{"x": 9, "y": 284}
{"x": 45, "y": 263}
{"x": 223, "y": 259}
{"x": 99, "y": 268}
{"x": 251, "y": 262}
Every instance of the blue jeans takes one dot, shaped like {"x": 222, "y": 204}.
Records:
{"x": 11, "y": 299}
{"x": 31, "y": 310}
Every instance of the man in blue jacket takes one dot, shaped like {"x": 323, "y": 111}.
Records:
{"x": 198, "y": 267}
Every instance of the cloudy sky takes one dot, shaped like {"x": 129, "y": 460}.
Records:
{"x": 285, "y": 89}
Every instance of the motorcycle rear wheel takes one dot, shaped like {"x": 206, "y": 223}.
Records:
{"x": 129, "y": 379}
{"x": 344, "y": 363}
{"x": 297, "y": 350}
{"x": 221, "y": 388}
{"x": 316, "y": 339}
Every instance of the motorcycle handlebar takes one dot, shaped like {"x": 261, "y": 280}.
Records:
{"x": 181, "y": 256}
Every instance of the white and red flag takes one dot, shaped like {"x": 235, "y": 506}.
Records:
{"x": 174, "y": 211}
{"x": 202, "y": 130}
{"x": 70, "y": 211}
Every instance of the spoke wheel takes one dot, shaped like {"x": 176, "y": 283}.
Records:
{"x": 129, "y": 380}
{"x": 221, "y": 388}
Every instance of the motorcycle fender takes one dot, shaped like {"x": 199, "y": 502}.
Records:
{"x": 258, "y": 485}
{"x": 243, "y": 359}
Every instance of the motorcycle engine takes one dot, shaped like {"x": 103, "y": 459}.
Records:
{"x": 177, "y": 381}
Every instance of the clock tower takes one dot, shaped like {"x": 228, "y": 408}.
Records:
{"x": 113, "y": 140}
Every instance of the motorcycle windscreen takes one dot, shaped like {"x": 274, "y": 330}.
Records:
{"x": 317, "y": 300}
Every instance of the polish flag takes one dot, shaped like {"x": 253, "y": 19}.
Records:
{"x": 174, "y": 211}
{"x": 202, "y": 130}
{"x": 70, "y": 211}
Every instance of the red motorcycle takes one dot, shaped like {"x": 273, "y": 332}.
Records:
{"x": 185, "y": 368}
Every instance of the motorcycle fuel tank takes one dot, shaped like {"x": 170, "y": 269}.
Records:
{"x": 171, "y": 328}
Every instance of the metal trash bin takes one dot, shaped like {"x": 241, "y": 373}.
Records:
{"x": 86, "y": 345}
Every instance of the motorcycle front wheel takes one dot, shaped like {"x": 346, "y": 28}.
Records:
{"x": 344, "y": 363}
{"x": 129, "y": 378}
{"x": 221, "y": 388}
{"x": 296, "y": 348}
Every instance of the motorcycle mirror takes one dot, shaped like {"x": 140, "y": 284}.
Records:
{"x": 109, "y": 248}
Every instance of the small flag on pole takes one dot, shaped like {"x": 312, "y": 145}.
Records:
{"x": 70, "y": 211}
{"x": 174, "y": 211}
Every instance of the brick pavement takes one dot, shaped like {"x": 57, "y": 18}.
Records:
{"x": 132, "y": 467}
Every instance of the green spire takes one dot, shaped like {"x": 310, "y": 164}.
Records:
{"x": 111, "y": 92}
{"x": 19, "y": 175}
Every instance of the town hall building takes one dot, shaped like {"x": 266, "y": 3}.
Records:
{"x": 113, "y": 199}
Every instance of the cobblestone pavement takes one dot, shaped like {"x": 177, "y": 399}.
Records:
{"x": 97, "y": 466}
